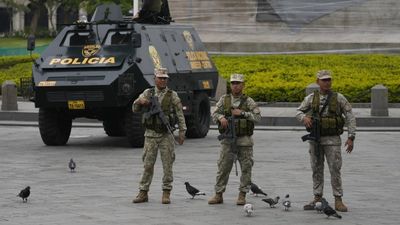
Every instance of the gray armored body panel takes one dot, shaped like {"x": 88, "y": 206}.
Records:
{"x": 96, "y": 69}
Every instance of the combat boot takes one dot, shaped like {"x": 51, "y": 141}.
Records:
{"x": 339, "y": 206}
{"x": 241, "y": 198}
{"x": 141, "y": 197}
{"x": 217, "y": 199}
{"x": 311, "y": 205}
{"x": 165, "y": 197}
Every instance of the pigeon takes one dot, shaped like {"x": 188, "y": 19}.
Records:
{"x": 329, "y": 211}
{"x": 24, "y": 194}
{"x": 271, "y": 202}
{"x": 192, "y": 190}
{"x": 286, "y": 203}
{"x": 319, "y": 206}
{"x": 248, "y": 209}
{"x": 256, "y": 190}
{"x": 72, "y": 165}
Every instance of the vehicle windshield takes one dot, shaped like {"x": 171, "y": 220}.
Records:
{"x": 117, "y": 38}
{"x": 78, "y": 38}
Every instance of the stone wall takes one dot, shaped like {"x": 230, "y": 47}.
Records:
{"x": 231, "y": 19}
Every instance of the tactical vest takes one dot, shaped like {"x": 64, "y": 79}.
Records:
{"x": 243, "y": 126}
{"x": 154, "y": 122}
{"x": 332, "y": 123}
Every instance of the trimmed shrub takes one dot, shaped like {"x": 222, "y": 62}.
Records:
{"x": 8, "y": 61}
{"x": 284, "y": 77}
{"x": 15, "y": 72}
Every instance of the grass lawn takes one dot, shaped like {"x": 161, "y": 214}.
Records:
{"x": 21, "y": 42}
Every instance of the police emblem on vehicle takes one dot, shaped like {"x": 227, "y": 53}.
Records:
{"x": 90, "y": 50}
{"x": 155, "y": 57}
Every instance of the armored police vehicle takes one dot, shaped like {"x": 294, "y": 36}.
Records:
{"x": 96, "y": 69}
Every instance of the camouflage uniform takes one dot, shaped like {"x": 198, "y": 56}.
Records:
{"x": 152, "y": 5}
{"x": 330, "y": 146}
{"x": 160, "y": 141}
{"x": 149, "y": 11}
{"x": 244, "y": 143}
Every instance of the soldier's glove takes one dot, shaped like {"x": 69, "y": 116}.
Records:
{"x": 181, "y": 137}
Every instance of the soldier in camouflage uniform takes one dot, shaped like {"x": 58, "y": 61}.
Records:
{"x": 157, "y": 136}
{"x": 332, "y": 123}
{"x": 246, "y": 113}
{"x": 150, "y": 9}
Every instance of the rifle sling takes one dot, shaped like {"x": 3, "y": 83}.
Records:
{"x": 326, "y": 103}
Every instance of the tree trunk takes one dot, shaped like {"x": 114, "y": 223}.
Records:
{"x": 66, "y": 16}
{"x": 35, "y": 19}
{"x": 11, "y": 16}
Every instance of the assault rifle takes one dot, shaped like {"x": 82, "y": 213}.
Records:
{"x": 230, "y": 134}
{"x": 315, "y": 133}
{"x": 155, "y": 109}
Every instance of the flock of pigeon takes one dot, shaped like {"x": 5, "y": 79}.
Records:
{"x": 24, "y": 193}
{"x": 321, "y": 207}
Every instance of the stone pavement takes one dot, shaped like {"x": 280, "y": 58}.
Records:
{"x": 108, "y": 171}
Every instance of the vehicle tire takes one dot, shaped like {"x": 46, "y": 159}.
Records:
{"x": 54, "y": 126}
{"x": 133, "y": 129}
{"x": 114, "y": 127}
{"x": 198, "y": 122}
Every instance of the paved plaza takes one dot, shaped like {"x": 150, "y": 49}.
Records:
{"x": 108, "y": 173}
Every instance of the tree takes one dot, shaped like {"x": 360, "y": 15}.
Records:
{"x": 52, "y": 6}
{"x": 12, "y": 6}
{"x": 126, "y": 5}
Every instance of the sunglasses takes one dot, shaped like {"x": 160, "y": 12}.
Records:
{"x": 162, "y": 78}
{"x": 326, "y": 80}
{"x": 235, "y": 82}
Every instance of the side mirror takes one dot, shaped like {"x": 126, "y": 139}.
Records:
{"x": 31, "y": 43}
{"x": 136, "y": 40}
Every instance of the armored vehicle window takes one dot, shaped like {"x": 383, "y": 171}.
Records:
{"x": 76, "y": 38}
{"x": 118, "y": 38}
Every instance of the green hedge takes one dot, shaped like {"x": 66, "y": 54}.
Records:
{"x": 15, "y": 72}
{"x": 283, "y": 77}
{"x": 8, "y": 61}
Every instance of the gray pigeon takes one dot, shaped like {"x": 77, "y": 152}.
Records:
{"x": 248, "y": 209}
{"x": 271, "y": 202}
{"x": 192, "y": 190}
{"x": 329, "y": 211}
{"x": 24, "y": 194}
{"x": 319, "y": 206}
{"x": 256, "y": 190}
{"x": 72, "y": 165}
{"x": 286, "y": 202}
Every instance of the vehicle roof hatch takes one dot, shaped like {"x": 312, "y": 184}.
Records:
{"x": 107, "y": 12}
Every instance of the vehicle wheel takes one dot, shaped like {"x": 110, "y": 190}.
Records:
{"x": 114, "y": 127}
{"x": 198, "y": 123}
{"x": 54, "y": 126}
{"x": 134, "y": 129}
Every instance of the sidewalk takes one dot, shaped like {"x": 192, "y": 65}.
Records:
{"x": 271, "y": 116}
